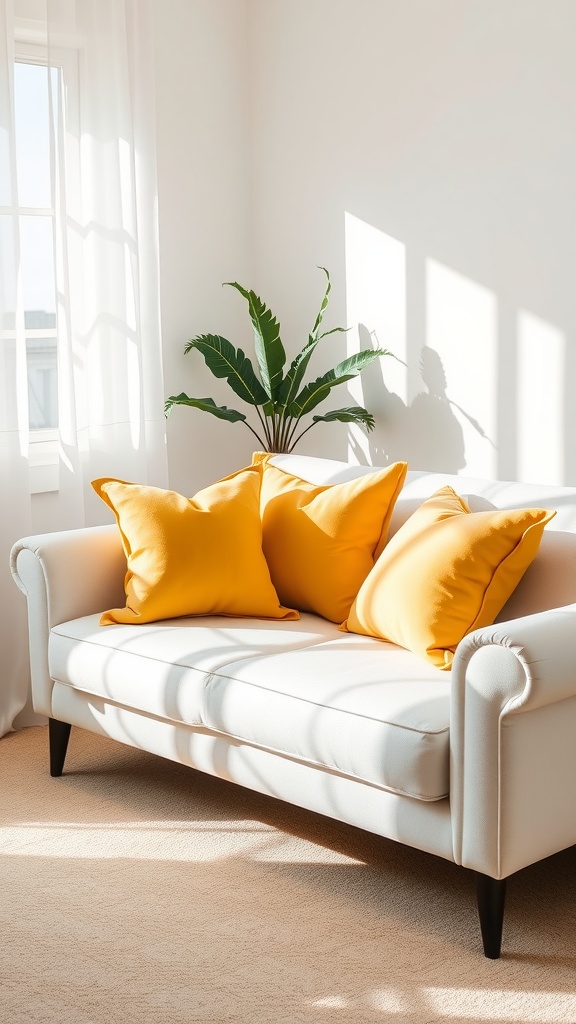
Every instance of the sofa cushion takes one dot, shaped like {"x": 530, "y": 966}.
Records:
{"x": 192, "y": 556}
{"x": 303, "y": 689}
{"x": 320, "y": 540}
{"x": 446, "y": 572}
{"x": 161, "y": 667}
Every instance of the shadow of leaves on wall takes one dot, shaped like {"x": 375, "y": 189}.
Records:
{"x": 426, "y": 432}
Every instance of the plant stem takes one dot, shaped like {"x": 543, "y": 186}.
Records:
{"x": 285, "y": 427}
{"x": 275, "y": 442}
{"x": 268, "y": 446}
{"x": 258, "y": 438}
{"x": 292, "y": 444}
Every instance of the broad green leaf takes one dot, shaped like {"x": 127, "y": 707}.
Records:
{"x": 205, "y": 405}
{"x": 353, "y": 414}
{"x": 335, "y": 330}
{"x": 295, "y": 375}
{"x": 315, "y": 393}
{"x": 225, "y": 361}
{"x": 299, "y": 365}
{"x": 324, "y": 304}
{"x": 267, "y": 344}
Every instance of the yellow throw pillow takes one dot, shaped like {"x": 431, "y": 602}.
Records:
{"x": 319, "y": 541}
{"x": 192, "y": 556}
{"x": 446, "y": 572}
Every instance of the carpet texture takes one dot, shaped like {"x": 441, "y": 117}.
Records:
{"x": 133, "y": 889}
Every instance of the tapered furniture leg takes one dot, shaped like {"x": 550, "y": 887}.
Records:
{"x": 490, "y": 898}
{"x": 59, "y": 734}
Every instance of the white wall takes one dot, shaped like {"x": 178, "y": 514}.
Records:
{"x": 425, "y": 152}
{"x": 204, "y": 218}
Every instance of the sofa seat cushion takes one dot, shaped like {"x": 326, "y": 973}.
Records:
{"x": 161, "y": 668}
{"x": 367, "y": 709}
{"x": 349, "y": 703}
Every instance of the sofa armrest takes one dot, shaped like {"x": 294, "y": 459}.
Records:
{"x": 513, "y": 756}
{"x": 64, "y": 576}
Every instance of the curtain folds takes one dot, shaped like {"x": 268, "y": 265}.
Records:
{"x": 103, "y": 209}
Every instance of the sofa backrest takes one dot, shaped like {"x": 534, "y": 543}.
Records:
{"x": 549, "y": 582}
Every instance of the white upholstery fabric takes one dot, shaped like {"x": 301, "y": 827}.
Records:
{"x": 65, "y": 574}
{"x": 162, "y": 667}
{"x": 513, "y": 711}
{"x": 277, "y": 706}
{"x": 426, "y": 826}
{"x": 349, "y": 703}
{"x": 354, "y": 704}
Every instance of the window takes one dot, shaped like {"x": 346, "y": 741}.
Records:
{"x": 40, "y": 93}
{"x": 78, "y": 239}
{"x": 37, "y": 102}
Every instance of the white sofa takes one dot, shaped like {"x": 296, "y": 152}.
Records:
{"x": 476, "y": 765}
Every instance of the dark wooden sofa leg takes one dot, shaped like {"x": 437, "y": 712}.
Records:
{"x": 59, "y": 734}
{"x": 490, "y": 898}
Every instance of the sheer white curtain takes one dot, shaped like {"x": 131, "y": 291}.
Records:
{"x": 103, "y": 208}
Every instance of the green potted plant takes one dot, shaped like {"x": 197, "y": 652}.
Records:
{"x": 280, "y": 399}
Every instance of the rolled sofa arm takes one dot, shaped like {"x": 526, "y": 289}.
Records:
{"x": 64, "y": 576}
{"x": 512, "y": 736}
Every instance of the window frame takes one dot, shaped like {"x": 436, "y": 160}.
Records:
{"x": 43, "y": 443}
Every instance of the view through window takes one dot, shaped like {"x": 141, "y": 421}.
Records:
{"x": 37, "y": 94}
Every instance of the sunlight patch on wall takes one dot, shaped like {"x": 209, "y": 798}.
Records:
{"x": 461, "y": 329}
{"x": 541, "y": 360}
{"x": 375, "y": 300}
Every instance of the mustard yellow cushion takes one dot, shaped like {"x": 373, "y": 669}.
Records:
{"x": 319, "y": 541}
{"x": 446, "y": 572}
{"x": 192, "y": 556}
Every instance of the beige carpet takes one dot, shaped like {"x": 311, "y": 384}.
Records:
{"x": 132, "y": 889}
